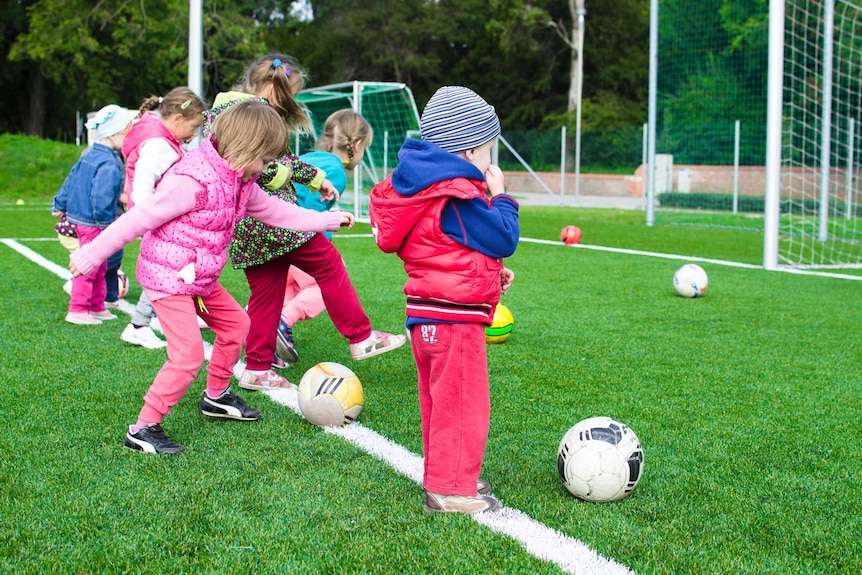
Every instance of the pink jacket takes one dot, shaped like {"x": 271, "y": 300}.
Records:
{"x": 148, "y": 127}
{"x": 189, "y": 221}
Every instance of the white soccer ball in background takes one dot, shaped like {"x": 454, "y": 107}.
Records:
{"x": 690, "y": 281}
{"x": 600, "y": 459}
{"x": 330, "y": 394}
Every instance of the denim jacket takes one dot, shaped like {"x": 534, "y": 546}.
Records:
{"x": 92, "y": 189}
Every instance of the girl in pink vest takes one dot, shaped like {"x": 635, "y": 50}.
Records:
{"x": 153, "y": 145}
{"x": 186, "y": 227}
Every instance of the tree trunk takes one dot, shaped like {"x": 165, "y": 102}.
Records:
{"x": 33, "y": 118}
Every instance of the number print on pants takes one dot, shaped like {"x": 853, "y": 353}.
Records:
{"x": 429, "y": 333}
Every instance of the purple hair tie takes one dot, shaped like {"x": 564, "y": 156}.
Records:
{"x": 277, "y": 64}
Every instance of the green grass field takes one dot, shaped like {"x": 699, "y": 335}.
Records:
{"x": 746, "y": 402}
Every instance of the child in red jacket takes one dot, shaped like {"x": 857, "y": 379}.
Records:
{"x": 434, "y": 212}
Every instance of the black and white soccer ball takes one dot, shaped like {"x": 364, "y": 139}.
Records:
{"x": 600, "y": 459}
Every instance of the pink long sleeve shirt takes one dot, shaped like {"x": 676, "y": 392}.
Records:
{"x": 188, "y": 223}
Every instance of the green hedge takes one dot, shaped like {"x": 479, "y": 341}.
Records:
{"x": 748, "y": 204}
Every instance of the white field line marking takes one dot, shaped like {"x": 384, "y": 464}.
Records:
{"x": 788, "y": 270}
{"x": 569, "y": 554}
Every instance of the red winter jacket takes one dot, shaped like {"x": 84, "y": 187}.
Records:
{"x": 446, "y": 280}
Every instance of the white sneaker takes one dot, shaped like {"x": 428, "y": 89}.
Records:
{"x": 82, "y": 318}
{"x": 143, "y": 336}
{"x": 378, "y": 342}
{"x": 103, "y": 315}
{"x": 154, "y": 323}
{"x": 261, "y": 381}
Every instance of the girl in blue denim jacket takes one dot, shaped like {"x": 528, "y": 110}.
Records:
{"x": 88, "y": 198}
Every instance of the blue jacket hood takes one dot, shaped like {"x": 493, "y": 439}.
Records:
{"x": 422, "y": 163}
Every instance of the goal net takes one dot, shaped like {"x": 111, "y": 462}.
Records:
{"x": 390, "y": 109}
{"x": 818, "y": 222}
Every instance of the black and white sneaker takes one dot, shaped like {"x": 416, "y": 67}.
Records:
{"x": 151, "y": 439}
{"x": 227, "y": 406}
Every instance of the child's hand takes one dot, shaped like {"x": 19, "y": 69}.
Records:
{"x": 75, "y": 271}
{"x": 328, "y": 191}
{"x": 58, "y": 214}
{"x": 346, "y": 220}
{"x": 495, "y": 180}
{"x": 507, "y": 276}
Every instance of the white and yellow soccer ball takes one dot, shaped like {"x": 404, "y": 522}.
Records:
{"x": 330, "y": 394}
{"x": 600, "y": 459}
{"x": 690, "y": 281}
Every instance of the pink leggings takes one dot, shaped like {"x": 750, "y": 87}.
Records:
{"x": 178, "y": 316}
{"x": 302, "y": 297}
{"x": 89, "y": 291}
{"x": 455, "y": 403}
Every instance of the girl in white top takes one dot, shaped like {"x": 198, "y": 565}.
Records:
{"x": 154, "y": 144}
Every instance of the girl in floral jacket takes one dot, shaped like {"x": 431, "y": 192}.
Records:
{"x": 265, "y": 253}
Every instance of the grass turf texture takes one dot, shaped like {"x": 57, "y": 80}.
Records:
{"x": 746, "y": 403}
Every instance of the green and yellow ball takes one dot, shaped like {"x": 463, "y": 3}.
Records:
{"x": 501, "y": 328}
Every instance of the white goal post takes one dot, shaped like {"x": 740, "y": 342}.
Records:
{"x": 813, "y": 217}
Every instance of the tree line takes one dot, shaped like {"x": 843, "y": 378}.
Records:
{"x": 68, "y": 56}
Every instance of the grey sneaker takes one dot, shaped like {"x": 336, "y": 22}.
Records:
{"x": 227, "y": 406}
{"x": 439, "y": 503}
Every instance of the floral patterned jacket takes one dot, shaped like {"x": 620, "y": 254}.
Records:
{"x": 254, "y": 242}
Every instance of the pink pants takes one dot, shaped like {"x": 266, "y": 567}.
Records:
{"x": 178, "y": 316}
{"x": 455, "y": 403}
{"x": 318, "y": 258}
{"x": 89, "y": 291}
{"x": 302, "y": 297}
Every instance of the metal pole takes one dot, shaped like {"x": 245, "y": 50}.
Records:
{"x": 562, "y": 163}
{"x": 196, "y": 48}
{"x": 774, "y": 96}
{"x": 851, "y": 129}
{"x": 644, "y": 175}
{"x": 651, "y": 113}
{"x": 581, "y": 14}
{"x": 826, "y": 117}
{"x": 357, "y": 173}
{"x": 736, "y": 167}
{"x": 385, "y": 153}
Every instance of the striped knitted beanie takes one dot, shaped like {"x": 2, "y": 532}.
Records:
{"x": 458, "y": 119}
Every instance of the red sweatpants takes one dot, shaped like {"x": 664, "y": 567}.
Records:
{"x": 455, "y": 403}
{"x": 178, "y": 316}
{"x": 318, "y": 258}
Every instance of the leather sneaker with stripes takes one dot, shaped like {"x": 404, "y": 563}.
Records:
{"x": 151, "y": 439}
{"x": 227, "y": 406}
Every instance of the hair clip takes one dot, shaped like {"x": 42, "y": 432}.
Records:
{"x": 277, "y": 64}
{"x": 161, "y": 99}
{"x": 186, "y": 104}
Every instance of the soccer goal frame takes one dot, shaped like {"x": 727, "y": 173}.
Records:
{"x": 812, "y": 210}
{"x": 390, "y": 109}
